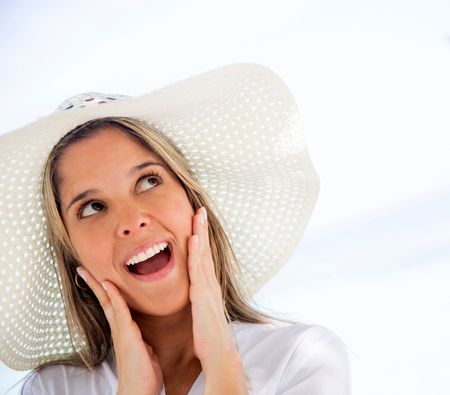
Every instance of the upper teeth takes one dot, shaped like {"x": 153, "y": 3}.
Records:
{"x": 142, "y": 256}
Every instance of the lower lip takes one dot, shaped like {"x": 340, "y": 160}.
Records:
{"x": 163, "y": 272}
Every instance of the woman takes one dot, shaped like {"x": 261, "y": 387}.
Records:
{"x": 173, "y": 208}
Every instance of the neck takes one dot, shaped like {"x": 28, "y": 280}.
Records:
{"x": 169, "y": 336}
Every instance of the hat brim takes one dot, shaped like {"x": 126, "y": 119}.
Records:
{"x": 239, "y": 128}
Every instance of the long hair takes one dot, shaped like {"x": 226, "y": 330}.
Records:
{"x": 88, "y": 327}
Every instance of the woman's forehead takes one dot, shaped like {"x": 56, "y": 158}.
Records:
{"x": 106, "y": 154}
{"x": 107, "y": 144}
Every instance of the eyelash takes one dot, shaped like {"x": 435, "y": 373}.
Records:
{"x": 151, "y": 174}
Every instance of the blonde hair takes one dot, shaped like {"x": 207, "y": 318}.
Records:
{"x": 83, "y": 312}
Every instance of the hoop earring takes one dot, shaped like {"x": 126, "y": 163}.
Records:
{"x": 77, "y": 284}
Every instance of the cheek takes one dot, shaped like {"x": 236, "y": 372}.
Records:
{"x": 93, "y": 251}
{"x": 180, "y": 215}
{"x": 174, "y": 211}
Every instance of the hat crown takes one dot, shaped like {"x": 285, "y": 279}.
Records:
{"x": 88, "y": 99}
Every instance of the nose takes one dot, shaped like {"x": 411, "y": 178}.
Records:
{"x": 131, "y": 220}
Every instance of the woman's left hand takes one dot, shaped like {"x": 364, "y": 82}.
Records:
{"x": 213, "y": 341}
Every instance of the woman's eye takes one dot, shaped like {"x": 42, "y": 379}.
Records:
{"x": 91, "y": 208}
{"x": 148, "y": 182}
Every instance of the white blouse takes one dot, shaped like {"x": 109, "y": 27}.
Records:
{"x": 294, "y": 359}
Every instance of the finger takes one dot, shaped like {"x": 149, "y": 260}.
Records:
{"x": 193, "y": 252}
{"x": 201, "y": 228}
{"x": 98, "y": 290}
{"x": 194, "y": 245}
{"x": 200, "y": 262}
{"x": 205, "y": 227}
{"x": 120, "y": 308}
{"x": 198, "y": 275}
{"x": 197, "y": 222}
{"x": 205, "y": 248}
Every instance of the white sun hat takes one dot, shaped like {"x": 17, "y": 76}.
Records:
{"x": 239, "y": 128}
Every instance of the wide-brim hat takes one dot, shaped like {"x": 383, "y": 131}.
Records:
{"x": 239, "y": 128}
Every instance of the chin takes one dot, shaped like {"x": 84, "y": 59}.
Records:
{"x": 165, "y": 306}
{"x": 170, "y": 309}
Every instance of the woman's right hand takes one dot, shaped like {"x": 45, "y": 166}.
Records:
{"x": 138, "y": 368}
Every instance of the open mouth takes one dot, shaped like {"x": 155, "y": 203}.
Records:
{"x": 151, "y": 265}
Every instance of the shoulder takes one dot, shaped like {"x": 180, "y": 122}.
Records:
{"x": 294, "y": 358}
{"x": 302, "y": 336}
{"x": 64, "y": 379}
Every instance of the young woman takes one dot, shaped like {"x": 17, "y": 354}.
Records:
{"x": 161, "y": 215}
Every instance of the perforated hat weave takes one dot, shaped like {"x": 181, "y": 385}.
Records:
{"x": 240, "y": 130}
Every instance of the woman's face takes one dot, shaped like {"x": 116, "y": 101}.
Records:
{"x": 129, "y": 205}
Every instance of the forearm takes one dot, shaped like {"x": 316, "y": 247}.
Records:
{"x": 226, "y": 376}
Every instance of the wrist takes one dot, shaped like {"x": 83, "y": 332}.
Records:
{"x": 228, "y": 360}
{"x": 225, "y": 375}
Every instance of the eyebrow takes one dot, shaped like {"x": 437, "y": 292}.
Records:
{"x": 131, "y": 173}
{"x": 143, "y": 165}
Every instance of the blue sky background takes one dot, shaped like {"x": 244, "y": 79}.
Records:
{"x": 372, "y": 81}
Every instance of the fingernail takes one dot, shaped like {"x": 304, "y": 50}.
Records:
{"x": 201, "y": 219}
{"x": 80, "y": 273}
{"x": 104, "y": 286}
{"x": 195, "y": 237}
{"x": 205, "y": 215}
